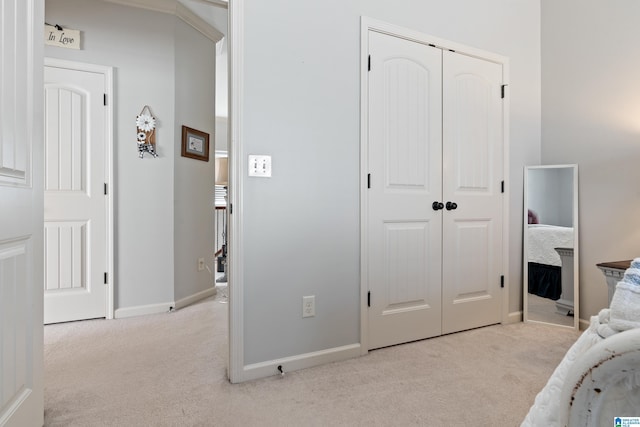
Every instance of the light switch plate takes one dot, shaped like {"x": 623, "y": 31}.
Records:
{"x": 260, "y": 166}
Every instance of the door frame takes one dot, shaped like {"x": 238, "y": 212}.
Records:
{"x": 370, "y": 24}
{"x": 235, "y": 279}
{"x": 107, "y": 73}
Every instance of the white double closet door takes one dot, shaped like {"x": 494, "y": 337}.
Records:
{"x": 435, "y": 135}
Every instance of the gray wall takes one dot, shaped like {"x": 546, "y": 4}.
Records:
{"x": 221, "y": 139}
{"x": 591, "y": 116}
{"x": 193, "y": 182}
{"x": 550, "y": 195}
{"x": 216, "y": 16}
{"x": 301, "y": 105}
{"x": 139, "y": 45}
{"x": 143, "y": 47}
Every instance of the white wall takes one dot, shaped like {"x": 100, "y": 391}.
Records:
{"x": 218, "y": 18}
{"x": 301, "y": 105}
{"x": 194, "y": 222}
{"x": 591, "y": 116}
{"x": 159, "y": 203}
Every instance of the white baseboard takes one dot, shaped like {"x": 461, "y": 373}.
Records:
{"x": 141, "y": 310}
{"x": 165, "y": 307}
{"x": 514, "y": 317}
{"x": 302, "y": 361}
{"x": 183, "y": 302}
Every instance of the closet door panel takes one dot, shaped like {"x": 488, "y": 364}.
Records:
{"x": 405, "y": 163}
{"x": 472, "y": 175}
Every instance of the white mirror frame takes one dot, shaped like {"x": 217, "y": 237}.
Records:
{"x": 576, "y": 253}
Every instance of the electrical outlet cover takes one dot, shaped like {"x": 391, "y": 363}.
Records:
{"x": 309, "y": 306}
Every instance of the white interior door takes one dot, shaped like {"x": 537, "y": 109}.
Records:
{"x": 472, "y": 160}
{"x": 75, "y": 203}
{"x": 21, "y": 330}
{"x": 404, "y": 231}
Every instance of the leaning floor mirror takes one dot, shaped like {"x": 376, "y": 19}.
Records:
{"x": 550, "y": 240}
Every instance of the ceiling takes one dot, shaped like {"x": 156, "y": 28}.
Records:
{"x": 212, "y": 11}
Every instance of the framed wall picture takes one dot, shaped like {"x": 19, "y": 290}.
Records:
{"x": 195, "y": 144}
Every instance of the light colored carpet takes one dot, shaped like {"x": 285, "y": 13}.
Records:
{"x": 169, "y": 370}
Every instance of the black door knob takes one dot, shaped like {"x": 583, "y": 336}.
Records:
{"x": 437, "y": 206}
{"x": 451, "y": 206}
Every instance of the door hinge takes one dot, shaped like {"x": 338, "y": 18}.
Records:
{"x": 230, "y": 208}
{"x": 369, "y": 299}
{"x": 368, "y": 180}
{"x": 106, "y": 187}
{"x": 502, "y": 187}
{"x": 106, "y": 276}
{"x": 369, "y": 63}
{"x": 104, "y": 99}
{"x": 502, "y": 281}
{"x": 502, "y": 91}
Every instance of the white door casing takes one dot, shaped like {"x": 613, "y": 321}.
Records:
{"x": 404, "y": 166}
{"x": 21, "y": 193}
{"x": 77, "y": 211}
{"x": 474, "y": 141}
{"x": 472, "y": 177}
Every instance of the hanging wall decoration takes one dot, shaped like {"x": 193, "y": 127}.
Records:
{"x": 195, "y": 144}
{"x": 146, "y": 125}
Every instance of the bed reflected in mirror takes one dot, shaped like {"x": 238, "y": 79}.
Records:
{"x": 551, "y": 245}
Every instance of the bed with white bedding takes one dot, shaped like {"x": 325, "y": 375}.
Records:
{"x": 544, "y": 262}
{"x": 598, "y": 381}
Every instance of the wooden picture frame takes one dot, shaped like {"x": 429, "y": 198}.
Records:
{"x": 195, "y": 144}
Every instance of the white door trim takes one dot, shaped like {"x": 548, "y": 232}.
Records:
{"x": 235, "y": 266}
{"x": 369, "y": 24}
{"x": 107, "y": 72}
{"x": 365, "y": 25}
